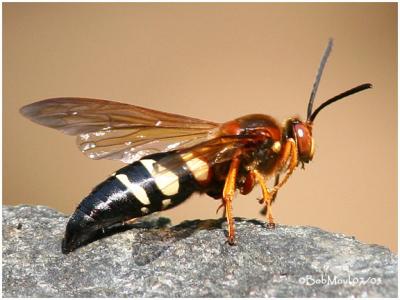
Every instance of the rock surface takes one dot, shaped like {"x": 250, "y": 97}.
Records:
{"x": 154, "y": 259}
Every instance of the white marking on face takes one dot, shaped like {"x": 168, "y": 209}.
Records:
{"x": 166, "y": 203}
{"x": 135, "y": 189}
{"x": 145, "y": 210}
{"x": 300, "y": 132}
{"x": 166, "y": 181}
{"x": 199, "y": 168}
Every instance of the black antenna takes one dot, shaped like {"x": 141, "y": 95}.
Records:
{"x": 338, "y": 97}
{"x": 318, "y": 78}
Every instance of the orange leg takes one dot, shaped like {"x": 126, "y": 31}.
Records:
{"x": 267, "y": 198}
{"x": 289, "y": 154}
{"x": 227, "y": 197}
{"x": 275, "y": 184}
{"x": 265, "y": 208}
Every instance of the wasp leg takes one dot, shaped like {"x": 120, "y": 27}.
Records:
{"x": 289, "y": 154}
{"x": 227, "y": 197}
{"x": 275, "y": 184}
{"x": 264, "y": 210}
{"x": 267, "y": 198}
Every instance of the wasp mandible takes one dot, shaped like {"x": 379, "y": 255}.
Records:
{"x": 172, "y": 156}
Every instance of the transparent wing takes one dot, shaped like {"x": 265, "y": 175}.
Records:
{"x": 113, "y": 130}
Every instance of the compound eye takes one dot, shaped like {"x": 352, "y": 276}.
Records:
{"x": 305, "y": 142}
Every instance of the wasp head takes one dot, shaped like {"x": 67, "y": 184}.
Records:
{"x": 301, "y": 133}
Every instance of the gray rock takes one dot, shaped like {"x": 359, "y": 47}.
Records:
{"x": 153, "y": 259}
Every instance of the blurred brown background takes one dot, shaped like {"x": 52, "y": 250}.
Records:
{"x": 216, "y": 62}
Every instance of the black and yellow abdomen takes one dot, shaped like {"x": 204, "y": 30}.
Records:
{"x": 139, "y": 189}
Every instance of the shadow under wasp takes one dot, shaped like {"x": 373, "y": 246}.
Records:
{"x": 172, "y": 156}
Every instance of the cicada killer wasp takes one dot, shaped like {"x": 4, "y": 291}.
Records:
{"x": 172, "y": 156}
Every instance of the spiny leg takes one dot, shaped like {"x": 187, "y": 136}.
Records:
{"x": 227, "y": 197}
